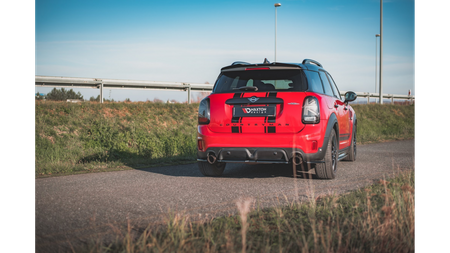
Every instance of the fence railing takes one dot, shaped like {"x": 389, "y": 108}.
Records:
{"x": 98, "y": 83}
{"x": 369, "y": 95}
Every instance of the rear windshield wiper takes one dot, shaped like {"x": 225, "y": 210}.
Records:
{"x": 253, "y": 88}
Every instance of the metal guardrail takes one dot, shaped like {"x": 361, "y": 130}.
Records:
{"x": 97, "y": 83}
{"x": 369, "y": 95}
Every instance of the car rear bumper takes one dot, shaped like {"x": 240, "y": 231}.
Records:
{"x": 262, "y": 148}
{"x": 259, "y": 155}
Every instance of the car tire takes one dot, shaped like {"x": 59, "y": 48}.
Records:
{"x": 211, "y": 170}
{"x": 327, "y": 170}
{"x": 352, "y": 151}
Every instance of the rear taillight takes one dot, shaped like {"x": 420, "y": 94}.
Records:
{"x": 203, "y": 112}
{"x": 311, "y": 111}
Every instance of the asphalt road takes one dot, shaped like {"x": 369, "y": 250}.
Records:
{"x": 77, "y": 209}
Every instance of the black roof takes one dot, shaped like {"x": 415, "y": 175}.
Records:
{"x": 306, "y": 64}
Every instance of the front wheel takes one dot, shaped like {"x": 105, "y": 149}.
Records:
{"x": 211, "y": 170}
{"x": 327, "y": 170}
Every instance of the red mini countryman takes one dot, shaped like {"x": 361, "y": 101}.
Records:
{"x": 276, "y": 113}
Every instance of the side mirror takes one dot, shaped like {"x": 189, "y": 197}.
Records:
{"x": 350, "y": 96}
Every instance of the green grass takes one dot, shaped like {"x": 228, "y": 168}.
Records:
{"x": 378, "y": 123}
{"x": 85, "y": 137}
{"x": 91, "y": 137}
{"x": 378, "y": 218}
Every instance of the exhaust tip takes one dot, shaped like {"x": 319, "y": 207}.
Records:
{"x": 297, "y": 159}
{"x": 211, "y": 158}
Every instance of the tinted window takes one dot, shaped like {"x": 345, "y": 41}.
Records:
{"x": 314, "y": 83}
{"x": 264, "y": 80}
{"x": 334, "y": 87}
{"x": 326, "y": 84}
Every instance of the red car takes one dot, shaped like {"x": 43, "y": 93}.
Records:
{"x": 276, "y": 113}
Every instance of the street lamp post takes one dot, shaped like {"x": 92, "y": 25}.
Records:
{"x": 381, "y": 52}
{"x": 376, "y": 61}
{"x": 276, "y": 5}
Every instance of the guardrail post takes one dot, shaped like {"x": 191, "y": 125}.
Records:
{"x": 189, "y": 94}
{"x": 101, "y": 92}
{"x": 188, "y": 89}
{"x": 392, "y": 99}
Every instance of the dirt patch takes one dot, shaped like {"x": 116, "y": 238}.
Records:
{"x": 50, "y": 138}
{"x": 398, "y": 112}
{"x": 110, "y": 113}
{"x": 60, "y": 130}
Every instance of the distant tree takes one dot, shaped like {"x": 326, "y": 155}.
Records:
{"x": 127, "y": 100}
{"x": 157, "y": 100}
{"x": 63, "y": 94}
{"x": 93, "y": 99}
{"x": 97, "y": 99}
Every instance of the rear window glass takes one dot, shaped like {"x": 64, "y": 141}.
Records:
{"x": 264, "y": 80}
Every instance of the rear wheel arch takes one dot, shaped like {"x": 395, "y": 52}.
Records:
{"x": 332, "y": 125}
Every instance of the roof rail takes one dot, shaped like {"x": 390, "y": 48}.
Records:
{"x": 240, "y": 63}
{"x": 309, "y": 61}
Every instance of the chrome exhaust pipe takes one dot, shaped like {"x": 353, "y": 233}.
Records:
{"x": 297, "y": 159}
{"x": 211, "y": 158}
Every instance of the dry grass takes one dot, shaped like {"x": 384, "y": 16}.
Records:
{"x": 379, "y": 218}
{"x": 243, "y": 206}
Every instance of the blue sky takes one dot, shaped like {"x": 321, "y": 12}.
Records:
{"x": 189, "y": 41}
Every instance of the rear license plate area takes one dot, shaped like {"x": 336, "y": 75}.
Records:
{"x": 254, "y": 111}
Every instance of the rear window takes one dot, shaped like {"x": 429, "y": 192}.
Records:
{"x": 264, "y": 80}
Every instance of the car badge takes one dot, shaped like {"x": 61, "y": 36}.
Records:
{"x": 293, "y": 103}
{"x": 253, "y": 99}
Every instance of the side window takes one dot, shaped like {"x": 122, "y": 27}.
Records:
{"x": 326, "y": 84}
{"x": 334, "y": 87}
{"x": 314, "y": 83}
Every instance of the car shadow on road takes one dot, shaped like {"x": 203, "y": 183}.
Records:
{"x": 237, "y": 170}
{"x": 268, "y": 171}
{"x": 186, "y": 166}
